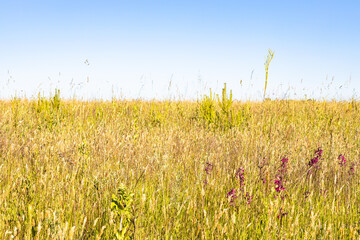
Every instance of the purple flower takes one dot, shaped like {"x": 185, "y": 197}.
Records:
{"x": 279, "y": 182}
{"x": 319, "y": 151}
{"x": 352, "y": 169}
{"x": 232, "y": 196}
{"x": 313, "y": 162}
{"x": 248, "y": 198}
{"x": 342, "y": 160}
{"x": 282, "y": 214}
{"x": 280, "y": 177}
{"x": 232, "y": 192}
{"x": 279, "y": 188}
{"x": 283, "y": 167}
{"x": 241, "y": 177}
{"x": 208, "y": 168}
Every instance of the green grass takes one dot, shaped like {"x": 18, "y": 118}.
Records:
{"x": 136, "y": 169}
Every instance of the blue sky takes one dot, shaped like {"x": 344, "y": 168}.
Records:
{"x": 179, "y": 49}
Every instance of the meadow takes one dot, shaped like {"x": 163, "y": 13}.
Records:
{"x": 208, "y": 169}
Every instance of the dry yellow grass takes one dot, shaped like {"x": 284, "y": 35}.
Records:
{"x": 66, "y": 164}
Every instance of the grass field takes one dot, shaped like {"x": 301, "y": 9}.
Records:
{"x": 211, "y": 169}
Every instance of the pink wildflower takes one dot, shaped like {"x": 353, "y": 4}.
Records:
{"x": 342, "y": 160}
{"x": 241, "y": 177}
{"x": 313, "y": 162}
{"x": 208, "y": 168}
{"x": 352, "y": 169}
{"x": 232, "y": 196}
{"x": 280, "y": 177}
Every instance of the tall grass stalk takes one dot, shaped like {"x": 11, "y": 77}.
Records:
{"x": 269, "y": 58}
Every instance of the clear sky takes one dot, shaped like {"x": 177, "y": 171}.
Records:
{"x": 161, "y": 49}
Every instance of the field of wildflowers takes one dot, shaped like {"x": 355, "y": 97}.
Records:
{"x": 211, "y": 169}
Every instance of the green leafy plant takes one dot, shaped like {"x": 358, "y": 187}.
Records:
{"x": 121, "y": 209}
{"x": 226, "y": 115}
{"x": 48, "y": 110}
{"x": 207, "y": 110}
{"x": 155, "y": 116}
{"x": 220, "y": 115}
{"x": 217, "y": 114}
